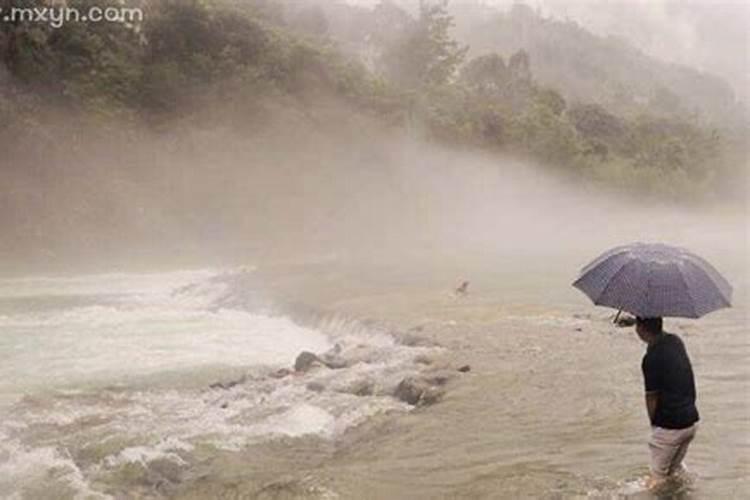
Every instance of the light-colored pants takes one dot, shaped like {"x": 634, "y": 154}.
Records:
{"x": 668, "y": 449}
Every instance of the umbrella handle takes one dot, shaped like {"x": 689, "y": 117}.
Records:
{"x": 617, "y": 316}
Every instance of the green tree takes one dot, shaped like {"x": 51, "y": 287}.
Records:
{"x": 486, "y": 73}
{"x": 551, "y": 99}
{"x": 597, "y": 124}
{"x": 189, "y": 46}
{"x": 95, "y": 64}
{"x": 548, "y": 137}
{"x": 425, "y": 55}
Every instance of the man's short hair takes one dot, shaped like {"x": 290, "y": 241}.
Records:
{"x": 653, "y": 325}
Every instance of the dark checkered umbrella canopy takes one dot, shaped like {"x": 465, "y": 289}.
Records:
{"x": 655, "y": 280}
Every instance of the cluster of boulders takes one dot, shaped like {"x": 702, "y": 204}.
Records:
{"x": 422, "y": 389}
{"x": 416, "y": 390}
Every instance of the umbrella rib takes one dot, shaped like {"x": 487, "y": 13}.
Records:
{"x": 611, "y": 281}
{"x": 610, "y": 254}
{"x": 601, "y": 261}
{"x": 716, "y": 276}
{"x": 726, "y": 300}
{"x": 687, "y": 290}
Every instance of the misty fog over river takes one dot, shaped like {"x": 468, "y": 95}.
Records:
{"x": 317, "y": 249}
{"x": 109, "y": 380}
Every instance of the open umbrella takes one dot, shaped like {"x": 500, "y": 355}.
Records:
{"x": 655, "y": 280}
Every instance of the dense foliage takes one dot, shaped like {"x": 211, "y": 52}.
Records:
{"x": 246, "y": 60}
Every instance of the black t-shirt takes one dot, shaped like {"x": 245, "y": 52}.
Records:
{"x": 667, "y": 371}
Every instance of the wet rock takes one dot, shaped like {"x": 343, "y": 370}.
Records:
{"x": 465, "y": 369}
{"x": 419, "y": 391}
{"x": 332, "y": 359}
{"x": 228, "y": 385}
{"x": 316, "y": 387}
{"x": 411, "y": 340}
{"x": 361, "y": 388}
{"x": 305, "y": 361}
{"x": 410, "y": 390}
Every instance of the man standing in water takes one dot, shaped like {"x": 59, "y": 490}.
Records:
{"x": 670, "y": 399}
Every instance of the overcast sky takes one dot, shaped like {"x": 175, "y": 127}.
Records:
{"x": 711, "y": 35}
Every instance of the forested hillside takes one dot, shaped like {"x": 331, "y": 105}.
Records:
{"x": 512, "y": 84}
{"x": 661, "y": 113}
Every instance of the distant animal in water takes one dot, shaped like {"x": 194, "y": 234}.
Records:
{"x": 463, "y": 289}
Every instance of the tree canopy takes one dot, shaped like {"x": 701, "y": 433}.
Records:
{"x": 406, "y": 69}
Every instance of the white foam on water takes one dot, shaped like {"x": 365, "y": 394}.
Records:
{"x": 266, "y": 407}
{"x": 300, "y": 420}
{"x": 168, "y": 423}
{"x": 166, "y": 449}
{"x": 632, "y": 487}
{"x": 628, "y": 488}
{"x": 118, "y": 344}
{"x": 164, "y": 325}
{"x": 157, "y": 326}
{"x": 103, "y": 284}
{"x": 22, "y": 467}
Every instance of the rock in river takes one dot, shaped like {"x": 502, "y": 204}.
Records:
{"x": 306, "y": 360}
{"x": 419, "y": 391}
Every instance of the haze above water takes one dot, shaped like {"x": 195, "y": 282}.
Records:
{"x": 141, "y": 347}
{"x": 123, "y": 403}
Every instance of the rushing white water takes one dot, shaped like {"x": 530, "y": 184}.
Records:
{"x": 100, "y": 374}
{"x": 108, "y": 384}
{"x": 126, "y": 326}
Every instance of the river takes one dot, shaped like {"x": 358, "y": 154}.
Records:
{"x": 109, "y": 382}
